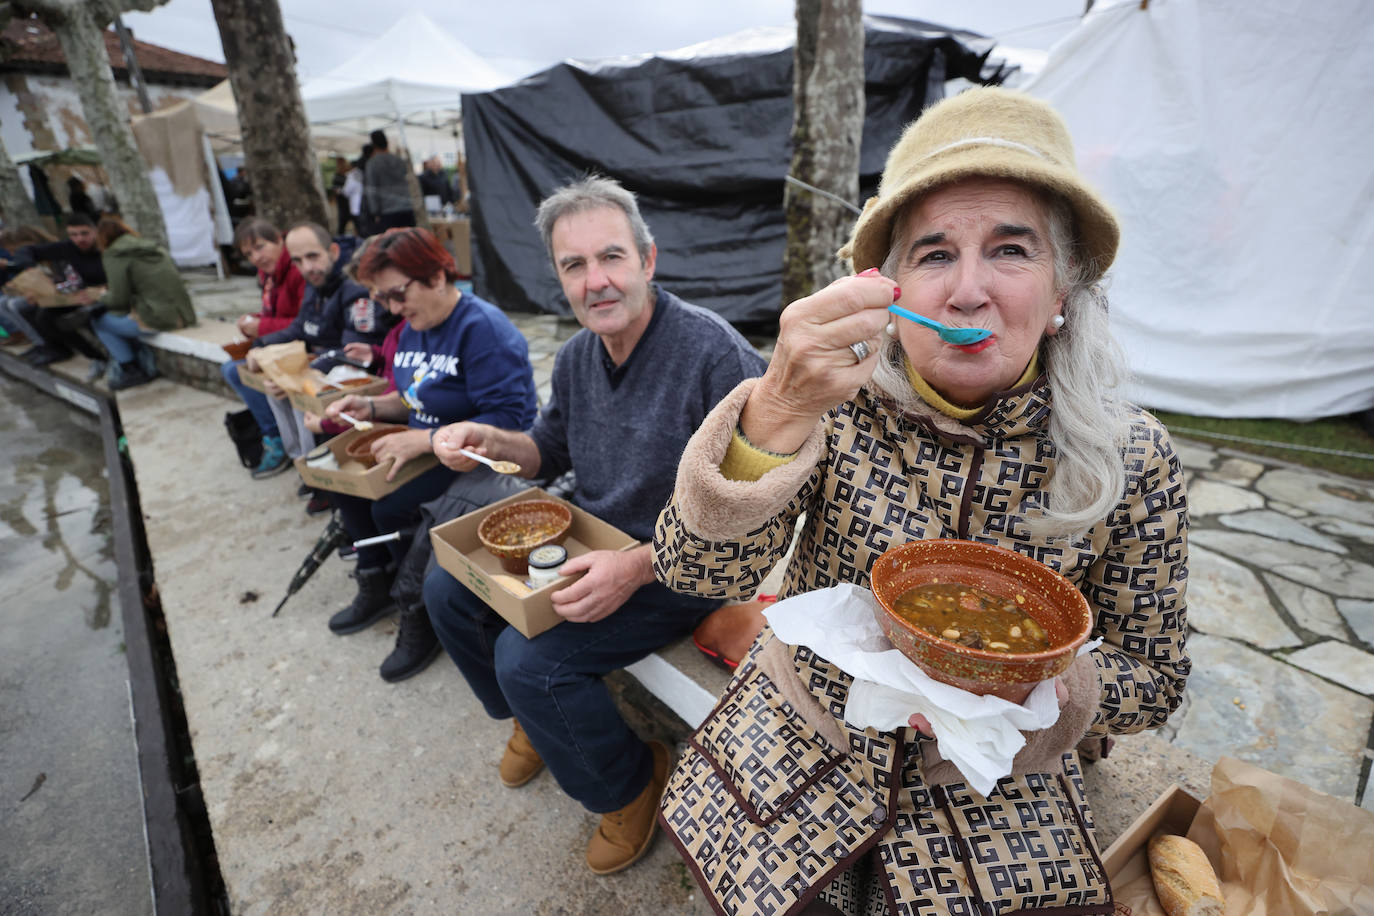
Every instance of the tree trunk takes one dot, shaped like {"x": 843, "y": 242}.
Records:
{"x": 15, "y": 204}
{"x": 80, "y": 30}
{"x": 827, "y": 128}
{"x": 281, "y": 164}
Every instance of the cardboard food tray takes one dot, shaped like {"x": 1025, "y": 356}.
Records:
{"x": 316, "y": 403}
{"x": 461, "y": 554}
{"x": 35, "y": 285}
{"x": 255, "y": 380}
{"x": 1173, "y": 812}
{"x": 353, "y": 479}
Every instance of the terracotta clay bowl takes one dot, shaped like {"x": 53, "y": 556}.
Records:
{"x": 360, "y": 449}
{"x": 1051, "y": 601}
{"x": 511, "y": 532}
{"x": 238, "y": 349}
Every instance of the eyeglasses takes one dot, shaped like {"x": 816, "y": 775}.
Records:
{"x": 394, "y": 296}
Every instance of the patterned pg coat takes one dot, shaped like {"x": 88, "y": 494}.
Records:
{"x": 779, "y": 801}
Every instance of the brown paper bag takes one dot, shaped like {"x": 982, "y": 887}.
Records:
{"x": 1279, "y": 848}
{"x": 35, "y": 285}
{"x": 1285, "y": 849}
{"x": 285, "y": 364}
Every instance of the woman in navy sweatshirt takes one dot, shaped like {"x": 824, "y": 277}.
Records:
{"x": 458, "y": 358}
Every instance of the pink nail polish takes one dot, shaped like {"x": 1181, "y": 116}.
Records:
{"x": 871, "y": 272}
{"x": 896, "y": 293}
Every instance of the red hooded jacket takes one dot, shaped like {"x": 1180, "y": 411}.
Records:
{"x": 282, "y": 291}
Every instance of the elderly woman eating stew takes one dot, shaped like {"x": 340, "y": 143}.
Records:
{"x": 877, "y": 432}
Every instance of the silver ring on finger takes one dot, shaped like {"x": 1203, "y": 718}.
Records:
{"x": 860, "y": 351}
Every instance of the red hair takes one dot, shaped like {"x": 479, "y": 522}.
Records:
{"x": 412, "y": 251}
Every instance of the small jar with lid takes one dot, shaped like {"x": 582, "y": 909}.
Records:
{"x": 544, "y": 563}
{"x": 322, "y": 457}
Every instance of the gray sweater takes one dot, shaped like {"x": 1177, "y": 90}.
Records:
{"x": 623, "y": 428}
{"x": 385, "y": 184}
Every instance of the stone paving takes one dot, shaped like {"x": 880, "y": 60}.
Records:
{"x": 1279, "y": 598}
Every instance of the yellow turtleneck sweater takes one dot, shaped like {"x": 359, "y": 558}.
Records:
{"x": 745, "y": 461}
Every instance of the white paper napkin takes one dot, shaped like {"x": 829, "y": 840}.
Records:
{"x": 978, "y": 734}
{"x": 344, "y": 373}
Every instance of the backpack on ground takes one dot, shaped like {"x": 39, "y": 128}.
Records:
{"x": 246, "y": 435}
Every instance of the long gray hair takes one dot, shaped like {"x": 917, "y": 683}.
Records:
{"x": 1089, "y": 425}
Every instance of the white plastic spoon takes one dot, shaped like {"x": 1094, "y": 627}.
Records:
{"x": 500, "y": 467}
{"x": 360, "y": 425}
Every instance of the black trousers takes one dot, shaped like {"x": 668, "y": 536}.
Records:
{"x": 64, "y": 328}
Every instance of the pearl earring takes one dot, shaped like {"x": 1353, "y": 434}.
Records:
{"x": 1057, "y": 321}
{"x": 891, "y": 329}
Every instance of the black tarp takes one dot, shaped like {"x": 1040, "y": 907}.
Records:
{"x": 704, "y": 141}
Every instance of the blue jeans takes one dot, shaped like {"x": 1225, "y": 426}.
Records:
{"x": 12, "y": 309}
{"x": 554, "y": 683}
{"x": 120, "y": 334}
{"x": 365, "y": 518}
{"x": 256, "y": 400}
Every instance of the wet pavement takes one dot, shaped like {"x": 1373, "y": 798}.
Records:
{"x": 71, "y": 823}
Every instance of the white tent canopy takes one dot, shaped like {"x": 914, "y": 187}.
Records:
{"x": 219, "y": 118}
{"x": 1234, "y": 141}
{"x": 412, "y": 75}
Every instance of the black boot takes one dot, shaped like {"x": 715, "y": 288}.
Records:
{"x": 127, "y": 375}
{"x": 146, "y": 359}
{"x": 416, "y": 646}
{"x": 372, "y": 603}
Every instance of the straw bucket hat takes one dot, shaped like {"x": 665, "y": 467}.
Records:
{"x": 990, "y": 133}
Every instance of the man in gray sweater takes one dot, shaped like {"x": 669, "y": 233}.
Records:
{"x": 386, "y": 187}
{"x": 629, "y": 390}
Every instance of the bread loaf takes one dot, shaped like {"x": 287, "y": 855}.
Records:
{"x": 1184, "y": 880}
{"x": 512, "y": 584}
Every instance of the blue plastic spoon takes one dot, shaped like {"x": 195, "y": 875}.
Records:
{"x": 961, "y": 337}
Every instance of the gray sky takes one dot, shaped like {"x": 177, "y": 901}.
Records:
{"x": 521, "y": 36}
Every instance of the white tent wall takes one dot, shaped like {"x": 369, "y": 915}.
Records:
{"x": 190, "y": 222}
{"x": 1235, "y": 142}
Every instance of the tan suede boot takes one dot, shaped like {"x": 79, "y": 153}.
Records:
{"x": 521, "y": 762}
{"x": 625, "y": 835}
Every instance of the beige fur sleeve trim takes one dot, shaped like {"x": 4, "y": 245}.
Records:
{"x": 714, "y": 508}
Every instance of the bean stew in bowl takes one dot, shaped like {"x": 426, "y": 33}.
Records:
{"x": 979, "y": 617}
{"x": 511, "y": 532}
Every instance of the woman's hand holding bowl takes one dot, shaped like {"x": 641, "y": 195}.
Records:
{"x": 248, "y": 326}
{"x": 1061, "y": 693}
{"x": 816, "y": 363}
{"x": 401, "y": 447}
